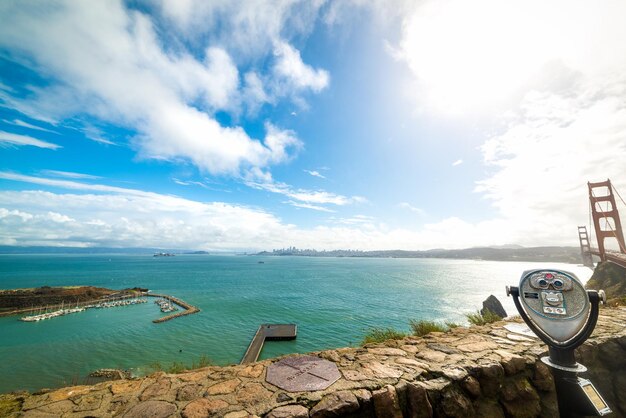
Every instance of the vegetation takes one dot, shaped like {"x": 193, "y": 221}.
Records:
{"x": 177, "y": 367}
{"x": 479, "y": 318}
{"x": 418, "y": 328}
{"x": 612, "y": 279}
{"x": 421, "y": 328}
{"x": 378, "y": 335}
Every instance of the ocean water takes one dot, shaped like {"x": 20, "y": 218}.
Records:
{"x": 334, "y": 301}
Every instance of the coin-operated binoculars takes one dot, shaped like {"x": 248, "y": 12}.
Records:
{"x": 557, "y": 308}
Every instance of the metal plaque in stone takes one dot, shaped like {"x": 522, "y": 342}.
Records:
{"x": 302, "y": 374}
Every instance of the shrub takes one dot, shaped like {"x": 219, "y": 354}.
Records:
{"x": 177, "y": 367}
{"x": 378, "y": 335}
{"x": 203, "y": 361}
{"x": 421, "y": 328}
{"x": 478, "y": 318}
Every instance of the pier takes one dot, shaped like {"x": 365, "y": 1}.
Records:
{"x": 187, "y": 308}
{"x": 268, "y": 332}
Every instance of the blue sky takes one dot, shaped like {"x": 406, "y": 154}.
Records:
{"x": 244, "y": 125}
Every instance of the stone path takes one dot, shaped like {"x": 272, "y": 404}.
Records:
{"x": 480, "y": 371}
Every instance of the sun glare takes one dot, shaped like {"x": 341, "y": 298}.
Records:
{"x": 472, "y": 55}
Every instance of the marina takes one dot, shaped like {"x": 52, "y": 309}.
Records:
{"x": 165, "y": 303}
{"x": 172, "y": 303}
{"x": 100, "y": 305}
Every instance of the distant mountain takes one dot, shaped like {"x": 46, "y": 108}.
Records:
{"x": 6, "y": 249}
{"x": 501, "y": 253}
{"x": 504, "y": 253}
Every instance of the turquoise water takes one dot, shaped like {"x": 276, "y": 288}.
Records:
{"x": 334, "y": 301}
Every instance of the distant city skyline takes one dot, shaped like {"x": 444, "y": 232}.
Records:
{"x": 253, "y": 125}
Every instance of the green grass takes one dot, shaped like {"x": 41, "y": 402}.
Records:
{"x": 378, "y": 335}
{"x": 421, "y": 328}
{"x": 477, "y": 318}
{"x": 178, "y": 367}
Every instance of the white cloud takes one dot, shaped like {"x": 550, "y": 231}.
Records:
{"x": 18, "y": 122}
{"x": 408, "y": 206}
{"x": 293, "y": 73}
{"x": 67, "y": 174}
{"x": 250, "y": 29}
{"x": 543, "y": 160}
{"x": 310, "y": 206}
{"x": 457, "y": 162}
{"x": 482, "y": 55}
{"x": 73, "y": 185}
{"x": 9, "y": 139}
{"x": 107, "y": 60}
{"x": 555, "y": 93}
{"x": 303, "y": 196}
{"x": 144, "y": 219}
{"x": 314, "y": 173}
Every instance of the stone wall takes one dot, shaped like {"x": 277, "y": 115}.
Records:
{"x": 468, "y": 372}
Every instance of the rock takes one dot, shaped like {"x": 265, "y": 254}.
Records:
{"x": 454, "y": 372}
{"x": 113, "y": 374}
{"x": 488, "y": 407}
{"x": 283, "y": 397}
{"x": 55, "y": 409}
{"x": 493, "y": 304}
{"x": 520, "y": 399}
{"x": 252, "y": 371}
{"x": 379, "y": 370}
{"x": 330, "y": 355}
{"x": 152, "y": 409}
{"x": 471, "y": 386}
{"x": 158, "y": 388}
{"x": 89, "y": 402}
{"x": 335, "y": 405}
{"x": 490, "y": 378}
{"x": 35, "y": 413}
{"x": 201, "y": 408}
{"x": 387, "y": 351}
{"x": 443, "y": 348}
{"x": 193, "y": 376}
{"x": 251, "y": 393}
{"x": 10, "y": 403}
{"x": 386, "y": 403}
{"x": 455, "y": 404}
{"x": 542, "y": 379}
{"x": 190, "y": 392}
{"x": 478, "y": 346}
{"x": 431, "y": 355}
{"x": 224, "y": 388}
{"x": 125, "y": 386}
{"x": 512, "y": 363}
{"x": 364, "y": 397}
{"x": 66, "y": 393}
{"x": 354, "y": 375}
{"x": 418, "y": 405}
{"x": 289, "y": 411}
{"x": 238, "y": 414}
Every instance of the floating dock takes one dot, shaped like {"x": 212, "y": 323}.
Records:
{"x": 188, "y": 309}
{"x": 268, "y": 332}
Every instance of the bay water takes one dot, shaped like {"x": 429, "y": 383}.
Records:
{"x": 334, "y": 302}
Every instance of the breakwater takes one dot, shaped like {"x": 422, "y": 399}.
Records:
{"x": 486, "y": 371}
{"x": 187, "y": 308}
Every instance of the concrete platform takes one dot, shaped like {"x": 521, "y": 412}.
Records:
{"x": 268, "y": 332}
